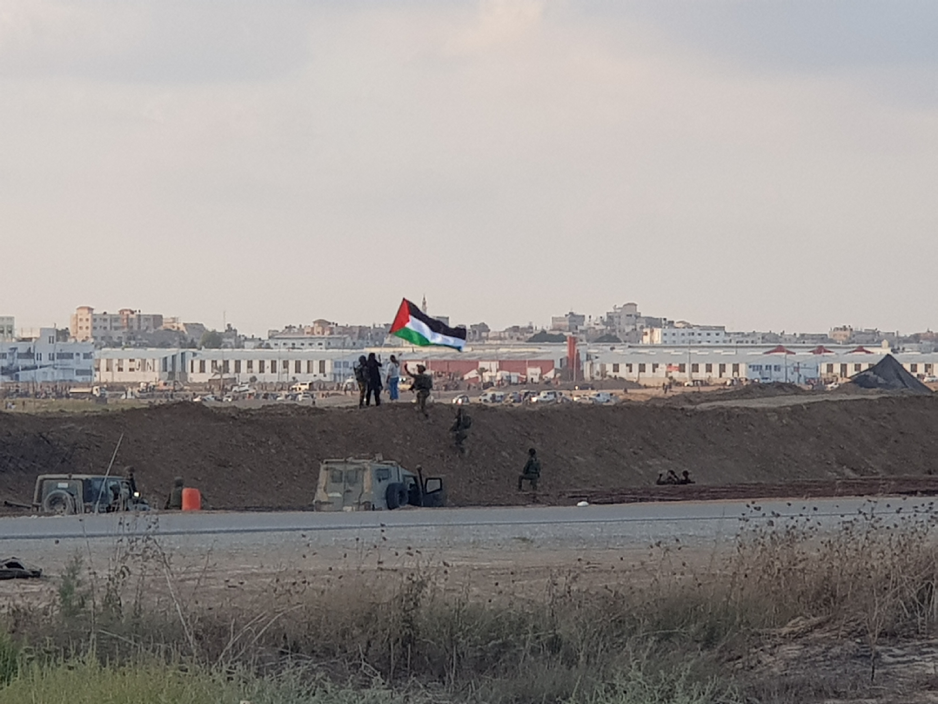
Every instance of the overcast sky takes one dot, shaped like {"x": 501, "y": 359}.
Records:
{"x": 756, "y": 164}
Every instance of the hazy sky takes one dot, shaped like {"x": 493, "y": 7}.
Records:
{"x": 756, "y": 164}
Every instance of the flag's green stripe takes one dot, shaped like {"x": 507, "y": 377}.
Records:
{"x": 412, "y": 336}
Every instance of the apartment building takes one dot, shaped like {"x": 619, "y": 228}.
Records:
{"x": 685, "y": 335}
{"x": 7, "y": 325}
{"x": 86, "y": 325}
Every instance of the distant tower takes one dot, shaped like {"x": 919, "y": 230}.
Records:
{"x": 423, "y": 304}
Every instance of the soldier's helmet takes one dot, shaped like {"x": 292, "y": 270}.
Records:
{"x": 532, "y": 451}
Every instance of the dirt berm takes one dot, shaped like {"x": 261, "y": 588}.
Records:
{"x": 268, "y": 457}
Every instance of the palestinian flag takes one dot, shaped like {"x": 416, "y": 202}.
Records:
{"x": 418, "y": 328}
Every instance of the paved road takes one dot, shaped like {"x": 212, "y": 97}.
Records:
{"x": 593, "y": 527}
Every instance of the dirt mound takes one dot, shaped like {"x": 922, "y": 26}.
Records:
{"x": 738, "y": 393}
{"x": 269, "y": 457}
{"x": 889, "y": 375}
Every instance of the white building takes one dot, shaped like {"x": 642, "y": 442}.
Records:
{"x": 690, "y": 335}
{"x": 233, "y": 366}
{"x": 312, "y": 342}
{"x": 135, "y": 365}
{"x": 7, "y": 325}
{"x": 44, "y": 359}
{"x": 652, "y": 365}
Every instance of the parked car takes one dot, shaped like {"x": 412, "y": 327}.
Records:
{"x": 492, "y": 397}
{"x": 461, "y": 400}
{"x": 242, "y": 389}
{"x": 546, "y": 397}
{"x": 306, "y": 398}
{"x": 512, "y": 397}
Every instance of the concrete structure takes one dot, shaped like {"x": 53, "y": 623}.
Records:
{"x": 45, "y": 359}
{"x": 111, "y": 327}
{"x": 322, "y": 342}
{"x": 685, "y": 335}
{"x": 652, "y": 365}
{"x": 571, "y": 322}
{"x": 135, "y": 365}
{"x": 7, "y": 327}
{"x": 282, "y": 366}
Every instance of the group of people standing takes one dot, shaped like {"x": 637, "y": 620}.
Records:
{"x": 371, "y": 376}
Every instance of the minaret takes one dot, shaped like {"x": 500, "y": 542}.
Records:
{"x": 423, "y": 304}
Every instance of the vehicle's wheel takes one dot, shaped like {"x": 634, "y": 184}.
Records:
{"x": 59, "y": 502}
{"x": 396, "y": 495}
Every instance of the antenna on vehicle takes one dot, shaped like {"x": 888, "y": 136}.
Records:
{"x": 107, "y": 473}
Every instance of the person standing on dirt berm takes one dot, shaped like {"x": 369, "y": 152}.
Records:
{"x": 394, "y": 377}
{"x": 373, "y": 379}
{"x": 531, "y": 471}
{"x": 361, "y": 378}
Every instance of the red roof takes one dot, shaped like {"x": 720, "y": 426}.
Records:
{"x": 821, "y": 349}
{"x": 779, "y": 350}
{"x": 859, "y": 350}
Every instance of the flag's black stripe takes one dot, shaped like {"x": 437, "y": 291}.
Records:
{"x": 436, "y": 325}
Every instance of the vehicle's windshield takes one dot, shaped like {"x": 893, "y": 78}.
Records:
{"x": 100, "y": 489}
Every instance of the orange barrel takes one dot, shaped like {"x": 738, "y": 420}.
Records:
{"x": 191, "y": 499}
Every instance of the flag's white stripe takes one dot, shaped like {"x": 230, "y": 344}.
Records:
{"x": 434, "y": 338}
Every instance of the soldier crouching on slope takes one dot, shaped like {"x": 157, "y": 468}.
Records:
{"x": 460, "y": 429}
{"x": 531, "y": 471}
{"x": 174, "y": 500}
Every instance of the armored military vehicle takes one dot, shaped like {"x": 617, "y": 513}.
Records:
{"x": 67, "y": 494}
{"x": 373, "y": 484}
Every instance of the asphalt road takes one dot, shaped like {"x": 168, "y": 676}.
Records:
{"x": 707, "y": 524}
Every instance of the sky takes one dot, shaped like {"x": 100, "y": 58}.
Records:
{"x": 753, "y": 163}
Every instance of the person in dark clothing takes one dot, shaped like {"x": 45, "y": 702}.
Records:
{"x": 174, "y": 500}
{"x": 460, "y": 429}
{"x": 361, "y": 378}
{"x": 685, "y": 478}
{"x": 132, "y": 481}
{"x": 531, "y": 471}
{"x": 373, "y": 380}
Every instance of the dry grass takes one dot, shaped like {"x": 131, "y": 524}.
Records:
{"x": 669, "y": 634}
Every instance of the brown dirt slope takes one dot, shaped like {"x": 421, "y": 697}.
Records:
{"x": 269, "y": 457}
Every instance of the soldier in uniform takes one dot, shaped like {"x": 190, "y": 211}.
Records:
{"x": 361, "y": 378}
{"x": 423, "y": 384}
{"x": 531, "y": 471}
{"x": 174, "y": 500}
{"x": 460, "y": 429}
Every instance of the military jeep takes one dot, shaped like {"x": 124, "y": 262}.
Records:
{"x": 374, "y": 484}
{"x": 69, "y": 494}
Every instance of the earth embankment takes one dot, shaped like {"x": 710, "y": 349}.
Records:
{"x": 268, "y": 457}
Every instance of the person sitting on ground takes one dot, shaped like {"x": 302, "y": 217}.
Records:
{"x": 661, "y": 480}
{"x": 685, "y": 478}
{"x": 672, "y": 478}
{"x": 531, "y": 471}
{"x": 174, "y": 500}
